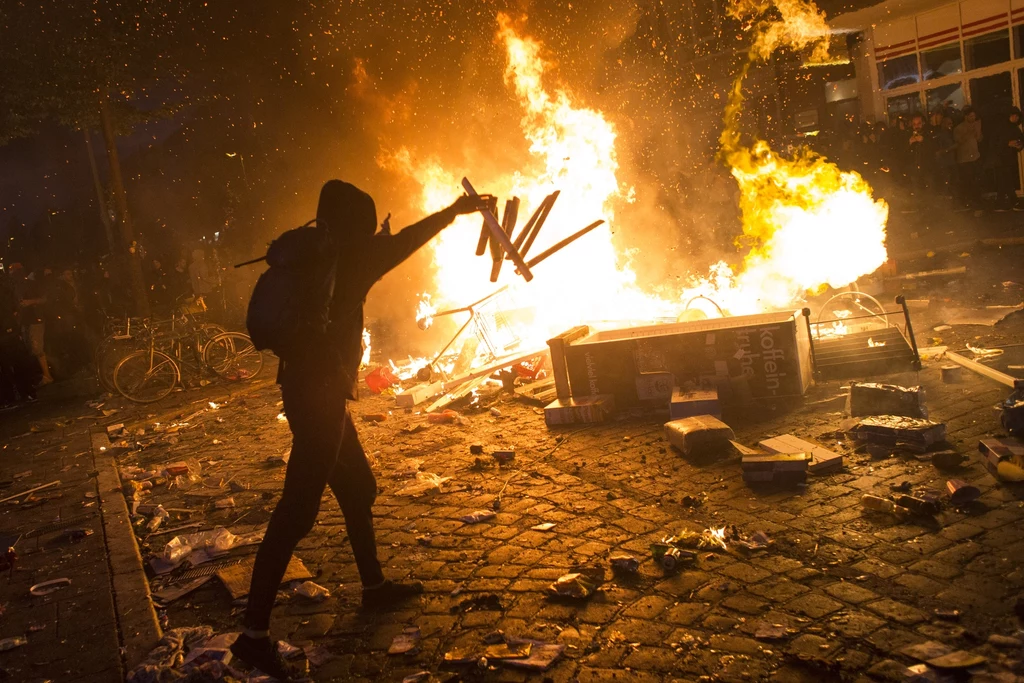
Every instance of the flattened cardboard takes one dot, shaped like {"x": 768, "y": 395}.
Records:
{"x": 823, "y": 461}
{"x": 238, "y": 577}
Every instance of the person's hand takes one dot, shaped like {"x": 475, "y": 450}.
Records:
{"x": 469, "y": 204}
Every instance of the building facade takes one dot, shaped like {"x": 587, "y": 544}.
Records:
{"x": 916, "y": 56}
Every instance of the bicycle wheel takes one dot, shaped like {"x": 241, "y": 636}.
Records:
{"x": 232, "y": 356}
{"x": 146, "y": 376}
{"x": 108, "y": 355}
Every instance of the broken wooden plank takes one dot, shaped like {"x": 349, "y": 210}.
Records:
{"x": 984, "y": 370}
{"x": 548, "y": 204}
{"x": 528, "y": 228}
{"x": 536, "y": 392}
{"x": 485, "y": 232}
{"x": 559, "y": 369}
{"x": 454, "y": 395}
{"x": 551, "y": 251}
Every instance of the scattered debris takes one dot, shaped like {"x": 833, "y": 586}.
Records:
{"x": 961, "y": 493}
{"x": 424, "y": 483}
{"x": 947, "y": 459}
{"x": 952, "y": 374}
{"x": 476, "y": 449}
{"x": 546, "y": 526}
{"x": 585, "y": 410}
{"x": 625, "y": 564}
{"x": 311, "y": 591}
{"x": 957, "y": 660}
{"x": 784, "y": 469}
{"x": 405, "y": 643}
{"x": 700, "y": 436}
{"x": 766, "y": 631}
{"x": 236, "y": 578}
{"x": 822, "y": 460}
{"x": 694, "y": 403}
{"x": 878, "y": 504}
{"x": 504, "y": 456}
{"x": 11, "y": 643}
{"x": 169, "y": 594}
{"x": 1004, "y": 458}
{"x": 482, "y": 602}
{"x": 896, "y": 431}
{"x": 872, "y": 398}
{"x": 478, "y": 516}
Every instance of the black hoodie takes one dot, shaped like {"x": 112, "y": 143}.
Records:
{"x": 363, "y": 259}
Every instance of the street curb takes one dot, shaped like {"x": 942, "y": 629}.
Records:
{"x": 137, "y": 624}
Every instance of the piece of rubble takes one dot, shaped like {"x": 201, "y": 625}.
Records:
{"x": 960, "y": 659}
{"x": 766, "y": 631}
{"x": 784, "y": 469}
{"x": 478, "y": 516}
{"x": 625, "y": 564}
{"x": 998, "y": 640}
{"x": 873, "y": 398}
{"x": 545, "y": 526}
{"x": 405, "y": 643}
{"x": 504, "y": 456}
{"x": 1004, "y": 458}
{"x": 700, "y": 436}
{"x": 961, "y": 493}
{"x": 896, "y": 431}
{"x": 694, "y": 403}
{"x": 311, "y": 591}
{"x": 573, "y": 585}
{"x": 822, "y": 461}
{"x": 585, "y": 410}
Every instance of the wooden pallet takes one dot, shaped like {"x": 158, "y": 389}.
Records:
{"x": 542, "y": 392}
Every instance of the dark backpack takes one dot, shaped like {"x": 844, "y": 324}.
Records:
{"x": 290, "y": 304}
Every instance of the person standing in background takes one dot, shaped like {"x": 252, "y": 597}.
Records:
{"x": 30, "y": 304}
{"x": 968, "y": 137}
{"x": 1007, "y": 142}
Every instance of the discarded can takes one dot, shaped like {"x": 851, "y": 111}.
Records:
{"x": 920, "y": 504}
{"x": 627, "y": 564}
{"x": 961, "y": 493}
{"x": 671, "y": 558}
{"x": 876, "y": 504}
{"x": 952, "y": 374}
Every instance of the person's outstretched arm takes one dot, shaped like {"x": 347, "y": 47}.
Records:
{"x": 388, "y": 251}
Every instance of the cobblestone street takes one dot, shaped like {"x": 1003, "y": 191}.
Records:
{"x": 851, "y": 589}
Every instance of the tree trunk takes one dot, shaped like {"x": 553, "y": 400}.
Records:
{"x": 101, "y": 201}
{"x": 132, "y": 262}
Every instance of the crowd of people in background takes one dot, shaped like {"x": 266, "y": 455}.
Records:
{"x": 948, "y": 152}
{"x": 51, "y": 320}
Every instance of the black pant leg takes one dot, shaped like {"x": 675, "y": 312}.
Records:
{"x": 355, "y": 488}
{"x": 317, "y": 426}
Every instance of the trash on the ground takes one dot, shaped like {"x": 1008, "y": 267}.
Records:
{"x": 408, "y": 468}
{"x": 443, "y": 417}
{"x": 947, "y": 459}
{"x": 712, "y": 539}
{"x": 478, "y": 516}
{"x": 573, "y": 585}
{"x": 47, "y": 587}
{"x": 311, "y": 591}
{"x": 238, "y": 486}
{"x": 920, "y": 503}
{"x": 506, "y": 651}
{"x": 406, "y": 642}
{"x": 381, "y": 378}
{"x": 783, "y": 469}
{"x": 952, "y": 374}
{"x": 425, "y": 539}
{"x": 476, "y": 449}
{"x": 961, "y": 493}
{"x": 1012, "y": 415}
{"x": 873, "y": 398}
{"x": 11, "y": 643}
{"x": 701, "y": 436}
{"x": 878, "y": 504}
{"x": 896, "y": 431}
{"x": 947, "y": 613}
{"x": 162, "y": 662}
{"x": 115, "y": 430}
{"x": 176, "y": 468}
{"x": 758, "y": 540}
{"x": 1004, "y": 458}
{"x": 625, "y": 564}
{"x": 418, "y": 677}
{"x": 374, "y": 417}
{"x": 215, "y": 542}
{"x": 424, "y": 482}
{"x": 766, "y": 631}
{"x": 823, "y": 461}
{"x": 31, "y": 491}
{"x": 694, "y": 403}
{"x": 546, "y": 526}
{"x": 236, "y": 578}
{"x": 225, "y": 503}
{"x": 504, "y": 456}
{"x": 159, "y": 515}
{"x": 585, "y": 410}
{"x": 495, "y": 412}
{"x": 318, "y": 655}
{"x": 281, "y": 459}
{"x": 982, "y": 353}
{"x": 169, "y": 594}
{"x": 960, "y": 659}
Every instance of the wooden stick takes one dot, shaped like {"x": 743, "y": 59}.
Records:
{"x": 25, "y": 493}
{"x": 559, "y": 369}
{"x": 499, "y": 234}
{"x": 984, "y": 370}
{"x": 564, "y": 243}
{"x": 529, "y": 224}
{"x": 485, "y": 233}
{"x": 497, "y": 253}
{"x": 540, "y": 222}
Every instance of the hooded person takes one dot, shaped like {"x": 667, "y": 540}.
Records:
{"x": 316, "y": 385}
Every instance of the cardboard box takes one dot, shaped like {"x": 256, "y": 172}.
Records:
{"x": 776, "y": 468}
{"x": 415, "y": 395}
{"x": 690, "y": 403}
{"x": 700, "y": 436}
{"x": 589, "y": 410}
{"x": 1003, "y": 458}
{"x": 823, "y": 461}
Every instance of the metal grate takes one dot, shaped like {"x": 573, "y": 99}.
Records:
{"x": 58, "y": 526}
{"x": 204, "y": 570}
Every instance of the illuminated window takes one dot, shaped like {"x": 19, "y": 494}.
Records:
{"x": 942, "y": 61}
{"x": 899, "y": 71}
{"x": 936, "y": 98}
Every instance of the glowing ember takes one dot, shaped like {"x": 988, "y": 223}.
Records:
{"x": 873, "y": 344}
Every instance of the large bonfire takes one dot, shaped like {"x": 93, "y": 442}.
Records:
{"x": 808, "y": 224}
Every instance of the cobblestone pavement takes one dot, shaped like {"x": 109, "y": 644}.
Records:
{"x": 852, "y": 589}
